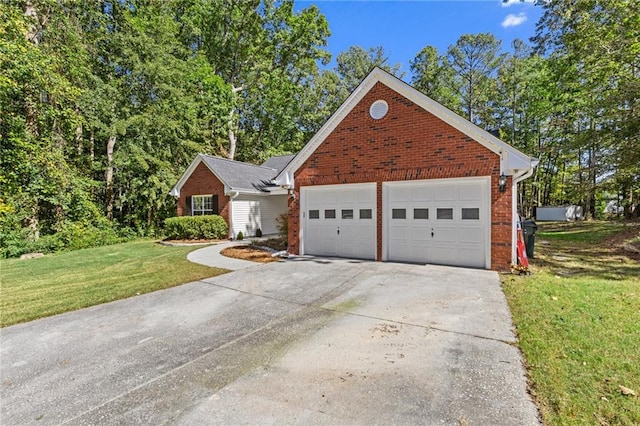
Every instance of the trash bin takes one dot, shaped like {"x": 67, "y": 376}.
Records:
{"x": 529, "y": 228}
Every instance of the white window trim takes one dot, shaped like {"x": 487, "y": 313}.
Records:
{"x": 203, "y": 211}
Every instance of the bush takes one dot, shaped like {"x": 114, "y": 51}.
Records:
{"x": 210, "y": 227}
{"x": 283, "y": 225}
{"x": 70, "y": 236}
{"x": 258, "y": 233}
{"x": 240, "y": 236}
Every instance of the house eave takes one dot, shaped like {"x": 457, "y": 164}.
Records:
{"x": 514, "y": 158}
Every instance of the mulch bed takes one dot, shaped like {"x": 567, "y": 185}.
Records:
{"x": 252, "y": 253}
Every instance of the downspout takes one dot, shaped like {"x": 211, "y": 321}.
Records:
{"x": 517, "y": 178}
{"x": 232, "y": 232}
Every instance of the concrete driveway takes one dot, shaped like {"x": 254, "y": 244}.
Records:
{"x": 303, "y": 341}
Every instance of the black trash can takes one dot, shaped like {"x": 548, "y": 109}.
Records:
{"x": 529, "y": 227}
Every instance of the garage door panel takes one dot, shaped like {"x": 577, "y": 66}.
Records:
{"x": 472, "y": 255}
{"x": 445, "y": 193}
{"x": 446, "y": 222}
{"x": 470, "y": 235}
{"x": 341, "y": 229}
{"x": 469, "y": 192}
{"x": 442, "y": 234}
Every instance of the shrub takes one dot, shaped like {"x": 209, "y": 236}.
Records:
{"x": 208, "y": 227}
{"x": 258, "y": 232}
{"x": 16, "y": 240}
{"x": 283, "y": 225}
{"x": 240, "y": 236}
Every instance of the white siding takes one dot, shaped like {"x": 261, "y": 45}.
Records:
{"x": 250, "y": 212}
{"x": 271, "y": 207}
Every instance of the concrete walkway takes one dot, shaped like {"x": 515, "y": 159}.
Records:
{"x": 210, "y": 256}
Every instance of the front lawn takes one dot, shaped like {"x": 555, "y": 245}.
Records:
{"x": 68, "y": 281}
{"x": 578, "y": 320}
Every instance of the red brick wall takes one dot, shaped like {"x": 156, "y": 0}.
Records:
{"x": 407, "y": 144}
{"x": 203, "y": 182}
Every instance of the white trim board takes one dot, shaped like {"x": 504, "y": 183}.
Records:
{"x": 511, "y": 160}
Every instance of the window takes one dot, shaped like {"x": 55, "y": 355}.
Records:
{"x": 421, "y": 213}
{"x": 366, "y": 214}
{"x": 444, "y": 213}
{"x": 398, "y": 214}
{"x": 347, "y": 214}
{"x": 471, "y": 214}
{"x": 329, "y": 214}
{"x": 314, "y": 214}
{"x": 204, "y": 205}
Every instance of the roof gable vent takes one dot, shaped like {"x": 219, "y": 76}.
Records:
{"x": 378, "y": 109}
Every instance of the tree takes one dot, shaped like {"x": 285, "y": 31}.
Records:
{"x": 475, "y": 60}
{"x": 267, "y": 54}
{"x": 595, "y": 45}
{"x": 434, "y": 76}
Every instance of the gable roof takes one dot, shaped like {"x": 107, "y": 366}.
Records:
{"x": 278, "y": 162}
{"x": 236, "y": 176}
{"x": 512, "y": 161}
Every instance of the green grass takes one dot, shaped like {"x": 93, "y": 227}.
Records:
{"x": 578, "y": 320}
{"x": 54, "y": 284}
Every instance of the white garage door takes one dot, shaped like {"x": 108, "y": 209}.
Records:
{"x": 339, "y": 220}
{"x": 440, "y": 221}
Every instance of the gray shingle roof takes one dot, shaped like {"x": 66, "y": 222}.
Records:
{"x": 278, "y": 162}
{"x": 242, "y": 176}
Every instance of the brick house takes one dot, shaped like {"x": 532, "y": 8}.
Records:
{"x": 243, "y": 194}
{"x": 395, "y": 176}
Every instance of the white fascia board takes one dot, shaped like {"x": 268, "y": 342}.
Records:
{"x": 175, "y": 191}
{"x": 330, "y": 124}
{"x": 516, "y": 159}
{"x": 192, "y": 167}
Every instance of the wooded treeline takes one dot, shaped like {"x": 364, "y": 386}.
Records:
{"x": 105, "y": 103}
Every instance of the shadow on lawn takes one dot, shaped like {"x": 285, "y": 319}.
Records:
{"x": 588, "y": 250}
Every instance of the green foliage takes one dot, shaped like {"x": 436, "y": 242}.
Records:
{"x": 283, "y": 225}
{"x": 258, "y": 232}
{"x": 104, "y": 105}
{"x": 240, "y": 236}
{"x": 196, "y": 227}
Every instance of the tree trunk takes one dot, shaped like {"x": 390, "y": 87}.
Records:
{"x": 232, "y": 138}
{"x": 232, "y": 131}
{"x": 79, "y": 136}
{"x": 33, "y": 34}
{"x": 111, "y": 143}
{"x": 91, "y": 146}
{"x": 33, "y": 222}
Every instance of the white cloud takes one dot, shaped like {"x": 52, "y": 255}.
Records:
{"x": 513, "y": 20}
{"x": 507, "y": 3}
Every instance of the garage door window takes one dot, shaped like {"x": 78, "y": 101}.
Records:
{"x": 421, "y": 213}
{"x": 347, "y": 214}
{"x": 471, "y": 214}
{"x": 330, "y": 214}
{"x": 365, "y": 214}
{"x": 314, "y": 214}
{"x": 398, "y": 214}
{"x": 444, "y": 213}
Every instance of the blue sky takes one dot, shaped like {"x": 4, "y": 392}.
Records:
{"x": 405, "y": 27}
